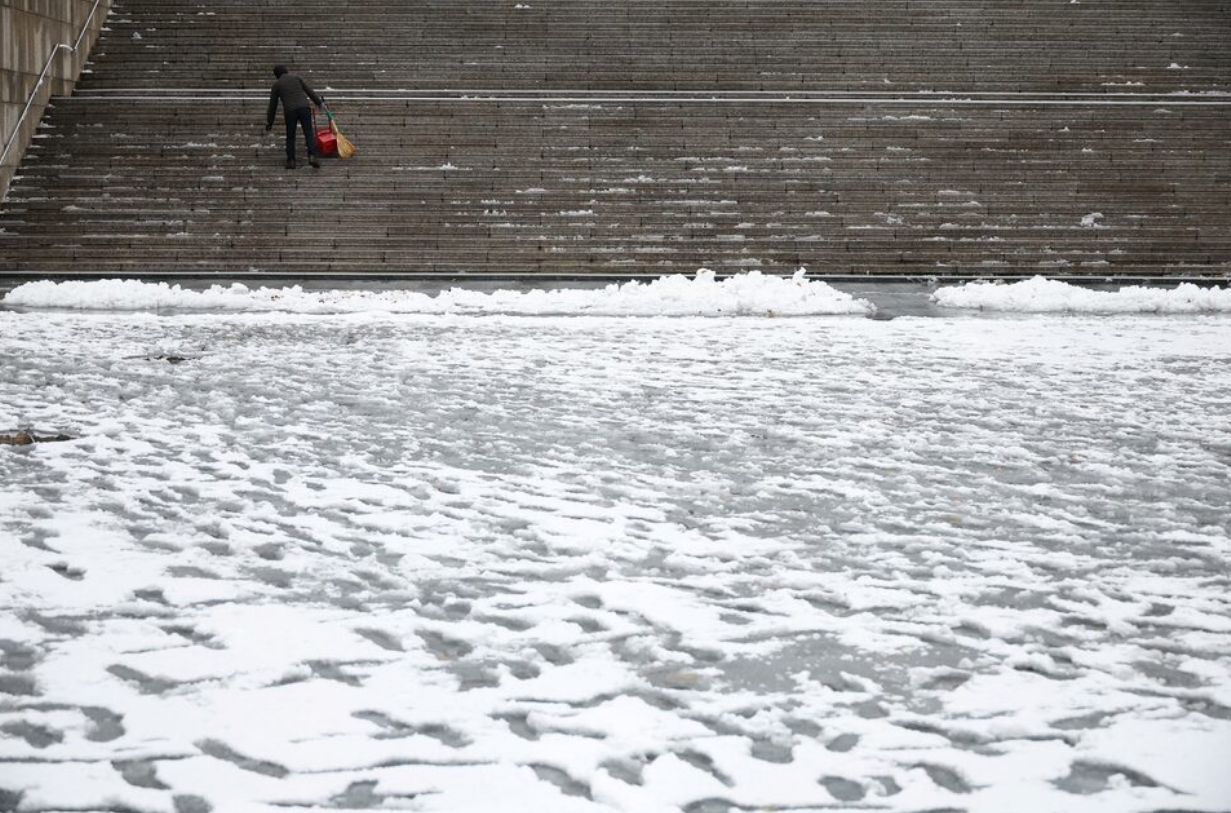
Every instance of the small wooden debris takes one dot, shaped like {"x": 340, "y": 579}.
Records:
{"x": 167, "y": 357}
{"x": 26, "y": 438}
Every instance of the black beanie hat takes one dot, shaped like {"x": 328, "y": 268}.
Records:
{"x": 279, "y": 70}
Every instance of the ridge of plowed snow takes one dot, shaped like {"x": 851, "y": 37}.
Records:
{"x": 1041, "y": 295}
{"x": 751, "y": 294}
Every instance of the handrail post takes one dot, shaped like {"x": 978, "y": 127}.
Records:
{"x": 42, "y": 77}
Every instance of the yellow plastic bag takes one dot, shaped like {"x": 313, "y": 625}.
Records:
{"x": 345, "y": 148}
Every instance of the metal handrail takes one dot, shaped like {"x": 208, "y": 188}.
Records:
{"x": 42, "y": 77}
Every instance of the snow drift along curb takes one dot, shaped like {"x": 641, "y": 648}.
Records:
{"x": 1040, "y": 295}
{"x": 751, "y": 294}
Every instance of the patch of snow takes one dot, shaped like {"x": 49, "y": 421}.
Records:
{"x": 1041, "y": 295}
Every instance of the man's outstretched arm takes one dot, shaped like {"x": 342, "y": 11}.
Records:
{"x": 316, "y": 100}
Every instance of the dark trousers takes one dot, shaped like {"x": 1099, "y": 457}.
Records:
{"x": 301, "y": 118}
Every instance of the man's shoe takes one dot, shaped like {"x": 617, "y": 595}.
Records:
{"x": 290, "y": 163}
{"x": 315, "y": 164}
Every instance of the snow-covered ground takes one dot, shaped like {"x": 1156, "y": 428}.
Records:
{"x": 442, "y": 561}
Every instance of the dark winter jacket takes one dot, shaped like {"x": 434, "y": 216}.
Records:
{"x": 294, "y": 94}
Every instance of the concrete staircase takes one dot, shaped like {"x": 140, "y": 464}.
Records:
{"x": 683, "y": 45}
{"x": 569, "y": 137}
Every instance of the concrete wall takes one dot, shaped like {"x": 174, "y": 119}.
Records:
{"x": 29, "y": 31}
